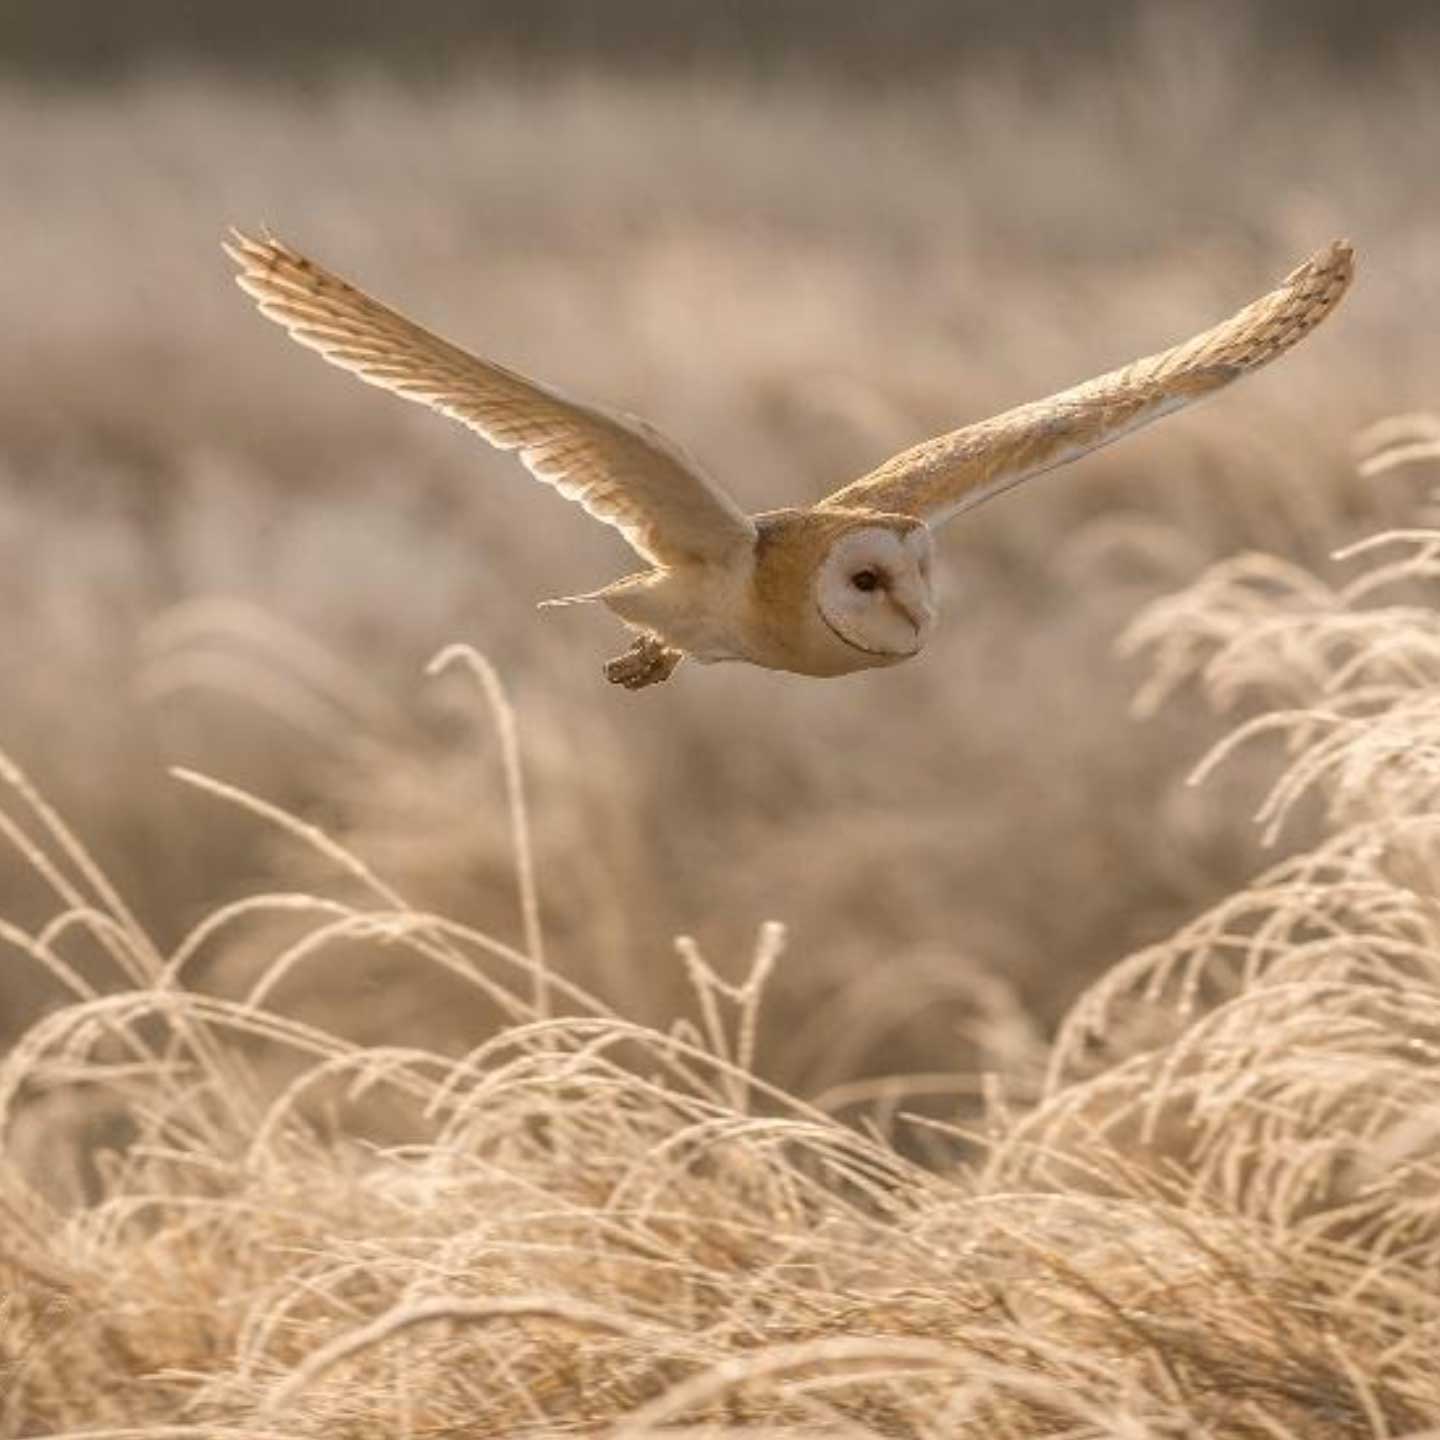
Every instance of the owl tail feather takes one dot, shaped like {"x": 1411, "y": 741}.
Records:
{"x": 563, "y": 600}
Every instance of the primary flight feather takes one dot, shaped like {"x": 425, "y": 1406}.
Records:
{"x": 844, "y": 585}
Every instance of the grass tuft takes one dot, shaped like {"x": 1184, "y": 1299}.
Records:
{"x": 1216, "y": 1215}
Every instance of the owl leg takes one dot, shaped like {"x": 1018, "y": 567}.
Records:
{"x": 647, "y": 662}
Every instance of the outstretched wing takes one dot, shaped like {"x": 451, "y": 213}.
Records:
{"x": 937, "y": 480}
{"x": 619, "y": 468}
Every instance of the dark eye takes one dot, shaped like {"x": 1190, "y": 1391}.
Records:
{"x": 864, "y": 579}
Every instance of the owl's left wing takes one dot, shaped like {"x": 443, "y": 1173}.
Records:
{"x": 937, "y": 480}
{"x": 621, "y": 469}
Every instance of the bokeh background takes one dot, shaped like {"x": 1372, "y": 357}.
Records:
{"x": 798, "y": 236}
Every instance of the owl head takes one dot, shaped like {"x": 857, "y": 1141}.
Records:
{"x": 873, "y": 588}
{"x": 838, "y": 590}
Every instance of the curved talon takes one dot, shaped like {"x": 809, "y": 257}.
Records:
{"x": 647, "y": 662}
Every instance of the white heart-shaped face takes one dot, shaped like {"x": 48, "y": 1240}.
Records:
{"x": 874, "y": 590}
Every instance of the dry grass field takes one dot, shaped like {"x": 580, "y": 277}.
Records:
{"x": 343, "y": 1097}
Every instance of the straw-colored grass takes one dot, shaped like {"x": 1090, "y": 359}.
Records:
{"x": 364, "y": 1092}
{"x": 1216, "y": 1217}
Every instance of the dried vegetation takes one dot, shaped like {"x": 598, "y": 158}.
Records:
{"x": 374, "y": 1107}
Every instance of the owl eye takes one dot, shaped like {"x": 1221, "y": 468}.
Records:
{"x": 864, "y": 579}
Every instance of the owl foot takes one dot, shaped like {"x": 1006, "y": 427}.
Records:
{"x": 647, "y": 662}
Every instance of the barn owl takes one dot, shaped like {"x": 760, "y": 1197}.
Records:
{"x": 844, "y": 585}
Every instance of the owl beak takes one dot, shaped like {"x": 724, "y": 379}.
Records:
{"x": 920, "y": 615}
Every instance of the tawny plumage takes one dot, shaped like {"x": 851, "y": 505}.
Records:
{"x": 842, "y": 586}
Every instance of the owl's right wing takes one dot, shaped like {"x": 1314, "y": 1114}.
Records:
{"x": 937, "y": 480}
{"x": 618, "y": 467}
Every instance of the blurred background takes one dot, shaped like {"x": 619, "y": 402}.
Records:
{"x": 796, "y": 234}
{"x": 899, "y": 43}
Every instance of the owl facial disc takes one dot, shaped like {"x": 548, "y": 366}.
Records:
{"x": 874, "y": 590}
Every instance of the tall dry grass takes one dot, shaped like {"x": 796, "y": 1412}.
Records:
{"x": 1215, "y": 1215}
{"x": 328, "y": 1110}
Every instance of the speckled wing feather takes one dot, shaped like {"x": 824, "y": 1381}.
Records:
{"x": 620, "y": 469}
{"x": 940, "y": 478}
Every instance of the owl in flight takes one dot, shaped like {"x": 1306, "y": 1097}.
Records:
{"x": 841, "y": 586}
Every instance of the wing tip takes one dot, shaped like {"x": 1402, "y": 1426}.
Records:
{"x": 261, "y": 256}
{"x": 1332, "y": 266}
{"x": 1312, "y": 291}
{"x": 1339, "y": 254}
